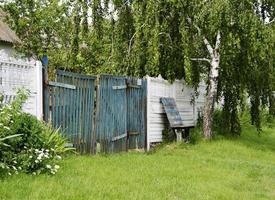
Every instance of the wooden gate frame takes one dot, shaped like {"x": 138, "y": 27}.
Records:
{"x": 109, "y": 138}
{"x": 127, "y": 84}
{"x": 80, "y": 124}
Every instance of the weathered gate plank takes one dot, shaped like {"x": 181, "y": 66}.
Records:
{"x": 111, "y": 114}
{"x": 136, "y": 112}
{"x": 72, "y": 99}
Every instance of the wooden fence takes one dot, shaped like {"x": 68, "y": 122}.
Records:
{"x": 69, "y": 105}
{"x": 111, "y": 115}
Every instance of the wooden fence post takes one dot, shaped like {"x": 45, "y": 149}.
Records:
{"x": 45, "y": 89}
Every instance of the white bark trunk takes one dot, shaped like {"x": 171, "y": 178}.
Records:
{"x": 213, "y": 76}
{"x": 212, "y": 87}
{"x": 210, "y": 98}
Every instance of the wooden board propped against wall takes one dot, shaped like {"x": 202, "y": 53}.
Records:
{"x": 172, "y": 112}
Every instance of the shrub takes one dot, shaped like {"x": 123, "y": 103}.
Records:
{"x": 26, "y": 144}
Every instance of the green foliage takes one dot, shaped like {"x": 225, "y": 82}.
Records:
{"x": 150, "y": 37}
{"x": 26, "y": 144}
{"x": 267, "y": 119}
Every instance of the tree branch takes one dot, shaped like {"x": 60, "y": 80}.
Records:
{"x": 131, "y": 40}
{"x": 200, "y": 59}
{"x": 208, "y": 46}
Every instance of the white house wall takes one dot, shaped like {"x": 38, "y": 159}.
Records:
{"x": 183, "y": 95}
{"x": 18, "y": 73}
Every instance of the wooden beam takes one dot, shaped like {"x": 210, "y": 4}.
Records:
{"x": 119, "y": 87}
{"x": 133, "y": 133}
{"x": 62, "y": 85}
{"x": 119, "y": 137}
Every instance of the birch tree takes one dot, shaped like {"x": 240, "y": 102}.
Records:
{"x": 234, "y": 48}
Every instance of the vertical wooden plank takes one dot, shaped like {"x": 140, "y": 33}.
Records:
{"x": 83, "y": 115}
{"x": 52, "y": 104}
{"x": 46, "y": 95}
{"x": 87, "y": 117}
{"x": 74, "y": 108}
{"x": 77, "y": 115}
{"x": 55, "y": 111}
{"x": 94, "y": 137}
{"x": 97, "y": 130}
{"x": 81, "y": 134}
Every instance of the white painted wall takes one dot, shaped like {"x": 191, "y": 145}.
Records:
{"x": 18, "y": 73}
{"x": 6, "y": 50}
{"x": 156, "y": 117}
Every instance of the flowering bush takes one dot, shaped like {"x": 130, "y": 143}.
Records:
{"x": 26, "y": 144}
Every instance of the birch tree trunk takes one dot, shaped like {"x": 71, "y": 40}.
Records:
{"x": 213, "y": 75}
{"x": 212, "y": 87}
{"x": 210, "y": 97}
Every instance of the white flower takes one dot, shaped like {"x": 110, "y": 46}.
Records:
{"x": 9, "y": 173}
{"x": 14, "y": 161}
{"x": 8, "y": 128}
{"x": 30, "y": 156}
{"x": 49, "y": 166}
{"x": 56, "y": 166}
{"x": 36, "y": 161}
{"x": 59, "y": 157}
{"x": 14, "y": 168}
{"x": 34, "y": 173}
{"x": 19, "y": 168}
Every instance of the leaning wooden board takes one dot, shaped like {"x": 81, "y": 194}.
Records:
{"x": 172, "y": 112}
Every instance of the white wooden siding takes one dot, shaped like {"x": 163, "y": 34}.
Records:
{"x": 183, "y": 94}
{"x": 19, "y": 73}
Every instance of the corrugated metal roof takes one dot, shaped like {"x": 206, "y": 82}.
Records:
{"x": 6, "y": 34}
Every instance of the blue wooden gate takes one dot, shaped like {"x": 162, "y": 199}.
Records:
{"x": 120, "y": 116}
{"x": 69, "y": 105}
{"x": 136, "y": 112}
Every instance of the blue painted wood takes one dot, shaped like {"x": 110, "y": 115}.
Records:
{"x": 120, "y": 121}
{"x": 63, "y": 85}
{"x": 121, "y": 110}
{"x": 136, "y": 112}
{"x": 72, "y": 108}
{"x": 111, "y": 118}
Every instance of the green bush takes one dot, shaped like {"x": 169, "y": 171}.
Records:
{"x": 26, "y": 144}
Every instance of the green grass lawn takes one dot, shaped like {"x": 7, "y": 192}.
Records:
{"x": 240, "y": 168}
